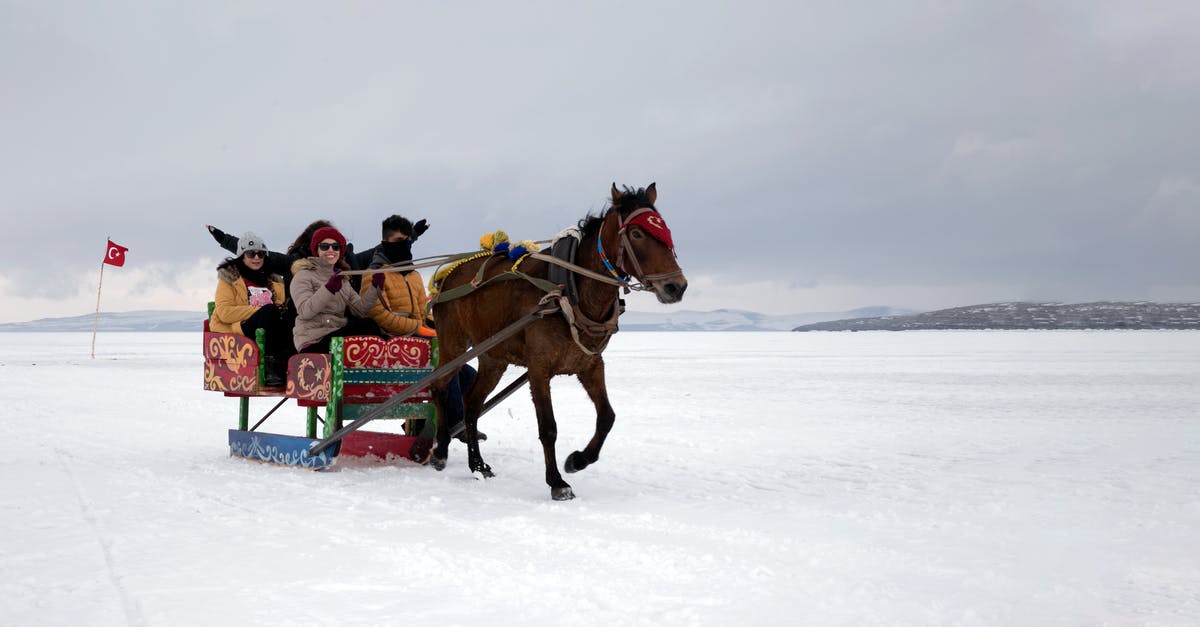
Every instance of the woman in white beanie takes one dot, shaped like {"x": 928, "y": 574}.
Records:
{"x": 249, "y": 298}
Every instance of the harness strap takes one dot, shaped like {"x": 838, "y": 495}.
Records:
{"x": 576, "y": 321}
{"x": 467, "y": 288}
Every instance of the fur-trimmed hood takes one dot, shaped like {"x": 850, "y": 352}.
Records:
{"x": 228, "y": 272}
{"x": 316, "y": 265}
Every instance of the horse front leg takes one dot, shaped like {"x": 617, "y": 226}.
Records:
{"x": 539, "y": 386}
{"x": 490, "y": 372}
{"x": 593, "y": 382}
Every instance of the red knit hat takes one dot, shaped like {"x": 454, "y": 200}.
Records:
{"x": 324, "y": 233}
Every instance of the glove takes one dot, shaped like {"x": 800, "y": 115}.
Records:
{"x": 271, "y": 309}
{"x": 334, "y": 284}
{"x": 420, "y": 227}
{"x": 377, "y": 280}
{"x": 424, "y": 331}
{"x": 217, "y": 234}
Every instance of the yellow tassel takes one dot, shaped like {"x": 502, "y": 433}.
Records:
{"x": 488, "y": 241}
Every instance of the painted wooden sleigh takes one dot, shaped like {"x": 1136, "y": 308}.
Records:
{"x": 359, "y": 372}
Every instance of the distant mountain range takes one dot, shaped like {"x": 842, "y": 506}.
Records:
{"x": 140, "y": 321}
{"x": 738, "y": 320}
{"x": 1023, "y": 315}
{"x": 1015, "y": 315}
{"x": 683, "y": 320}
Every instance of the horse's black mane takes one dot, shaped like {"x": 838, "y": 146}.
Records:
{"x": 630, "y": 199}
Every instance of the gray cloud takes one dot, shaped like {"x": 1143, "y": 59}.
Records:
{"x": 1047, "y": 149}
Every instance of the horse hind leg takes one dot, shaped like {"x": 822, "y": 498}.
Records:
{"x": 593, "y": 383}
{"x": 539, "y": 386}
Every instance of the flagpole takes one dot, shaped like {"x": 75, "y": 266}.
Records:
{"x": 96, "y": 323}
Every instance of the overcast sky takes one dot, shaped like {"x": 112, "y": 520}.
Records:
{"x": 810, "y": 156}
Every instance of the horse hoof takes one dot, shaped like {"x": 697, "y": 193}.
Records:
{"x": 420, "y": 453}
{"x": 564, "y": 493}
{"x": 438, "y": 463}
{"x": 575, "y": 462}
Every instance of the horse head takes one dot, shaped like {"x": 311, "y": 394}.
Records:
{"x": 645, "y": 250}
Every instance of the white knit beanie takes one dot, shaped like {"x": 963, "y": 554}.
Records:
{"x": 250, "y": 241}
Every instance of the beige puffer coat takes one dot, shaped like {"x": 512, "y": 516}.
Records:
{"x": 319, "y": 311}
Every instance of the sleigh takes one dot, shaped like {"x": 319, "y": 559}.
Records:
{"x": 358, "y": 375}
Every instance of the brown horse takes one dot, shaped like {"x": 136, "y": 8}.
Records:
{"x": 632, "y": 233}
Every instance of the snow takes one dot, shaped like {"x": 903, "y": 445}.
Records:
{"x": 916, "y": 478}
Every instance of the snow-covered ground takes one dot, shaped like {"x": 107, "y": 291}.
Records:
{"x": 918, "y": 478}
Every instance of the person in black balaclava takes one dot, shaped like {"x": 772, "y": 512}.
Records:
{"x": 401, "y": 306}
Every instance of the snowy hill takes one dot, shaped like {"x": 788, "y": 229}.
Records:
{"x": 719, "y": 320}
{"x": 737, "y": 320}
{"x": 1023, "y": 315}
{"x": 139, "y": 321}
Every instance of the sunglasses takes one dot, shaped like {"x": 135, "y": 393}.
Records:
{"x": 329, "y": 246}
{"x": 256, "y": 253}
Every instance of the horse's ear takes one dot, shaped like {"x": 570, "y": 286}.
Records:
{"x": 616, "y": 193}
{"x": 652, "y": 193}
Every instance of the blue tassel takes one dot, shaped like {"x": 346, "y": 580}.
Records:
{"x": 501, "y": 248}
{"x": 516, "y": 252}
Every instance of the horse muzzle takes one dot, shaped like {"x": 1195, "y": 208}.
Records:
{"x": 670, "y": 290}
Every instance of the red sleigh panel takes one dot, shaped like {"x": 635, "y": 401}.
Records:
{"x": 230, "y": 363}
{"x": 309, "y": 378}
{"x": 369, "y": 351}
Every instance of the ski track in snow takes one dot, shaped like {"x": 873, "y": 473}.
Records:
{"x": 918, "y": 478}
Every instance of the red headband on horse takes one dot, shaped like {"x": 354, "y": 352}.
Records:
{"x": 652, "y": 223}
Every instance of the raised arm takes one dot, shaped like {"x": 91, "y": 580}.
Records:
{"x": 227, "y": 241}
{"x": 277, "y": 263}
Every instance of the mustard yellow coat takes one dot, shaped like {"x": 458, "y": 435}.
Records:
{"x": 401, "y": 306}
{"x": 232, "y": 303}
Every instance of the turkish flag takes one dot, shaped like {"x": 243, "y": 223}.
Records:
{"x": 115, "y": 255}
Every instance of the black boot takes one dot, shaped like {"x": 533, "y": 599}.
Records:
{"x": 274, "y": 376}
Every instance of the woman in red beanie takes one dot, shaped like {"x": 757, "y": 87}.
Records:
{"x": 322, "y": 297}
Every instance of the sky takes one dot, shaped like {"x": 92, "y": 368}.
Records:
{"x": 809, "y": 156}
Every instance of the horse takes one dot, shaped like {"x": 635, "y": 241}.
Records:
{"x": 632, "y": 232}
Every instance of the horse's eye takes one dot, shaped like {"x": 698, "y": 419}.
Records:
{"x": 635, "y": 233}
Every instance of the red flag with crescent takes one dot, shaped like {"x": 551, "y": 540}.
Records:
{"x": 115, "y": 255}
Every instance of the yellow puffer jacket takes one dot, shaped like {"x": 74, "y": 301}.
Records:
{"x": 401, "y": 306}
{"x": 232, "y": 302}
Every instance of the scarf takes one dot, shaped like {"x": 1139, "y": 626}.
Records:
{"x": 261, "y": 278}
{"x": 398, "y": 252}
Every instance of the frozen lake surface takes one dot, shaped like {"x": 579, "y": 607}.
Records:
{"x": 916, "y": 478}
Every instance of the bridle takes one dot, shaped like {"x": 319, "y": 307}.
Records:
{"x": 658, "y": 231}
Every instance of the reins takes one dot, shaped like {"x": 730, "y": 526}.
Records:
{"x": 577, "y": 321}
{"x": 416, "y": 264}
